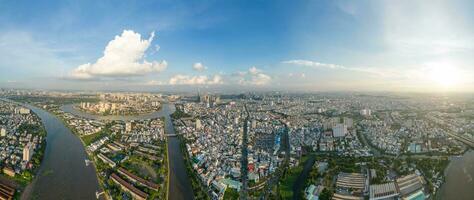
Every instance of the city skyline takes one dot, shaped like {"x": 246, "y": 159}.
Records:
{"x": 226, "y": 100}
{"x": 407, "y": 46}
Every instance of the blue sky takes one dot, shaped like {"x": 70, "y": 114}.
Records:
{"x": 238, "y": 45}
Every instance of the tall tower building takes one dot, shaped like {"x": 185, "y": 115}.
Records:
{"x": 27, "y": 152}
{"x": 198, "y": 124}
{"x": 339, "y": 130}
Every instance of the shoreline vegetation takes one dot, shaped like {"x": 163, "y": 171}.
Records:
{"x": 89, "y": 139}
{"x": 22, "y": 181}
{"x": 198, "y": 188}
{"x": 53, "y": 106}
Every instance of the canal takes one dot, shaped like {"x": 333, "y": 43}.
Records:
{"x": 179, "y": 183}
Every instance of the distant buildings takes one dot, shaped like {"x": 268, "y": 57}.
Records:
{"x": 366, "y": 112}
{"x": 209, "y": 100}
{"x": 123, "y": 104}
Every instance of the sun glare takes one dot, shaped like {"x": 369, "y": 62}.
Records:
{"x": 445, "y": 76}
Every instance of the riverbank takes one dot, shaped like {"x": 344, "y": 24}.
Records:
{"x": 157, "y": 170}
{"x": 178, "y": 185}
{"x": 459, "y": 175}
{"x": 67, "y": 175}
{"x": 199, "y": 190}
{"x": 20, "y": 182}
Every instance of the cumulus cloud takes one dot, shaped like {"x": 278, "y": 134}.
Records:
{"x": 195, "y": 80}
{"x": 123, "y": 57}
{"x": 199, "y": 67}
{"x": 253, "y": 76}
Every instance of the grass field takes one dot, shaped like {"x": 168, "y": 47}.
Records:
{"x": 89, "y": 139}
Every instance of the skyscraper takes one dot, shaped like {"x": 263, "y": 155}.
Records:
{"x": 27, "y": 152}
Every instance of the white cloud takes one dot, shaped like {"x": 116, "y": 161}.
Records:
{"x": 254, "y": 70}
{"x": 314, "y": 64}
{"x": 253, "y": 76}
{"x": 199, "y": 67}
{"x": 195, "y": 80}
{"x": 301, "y": 75}
{"x": 123, "y": 57}
{"x": 154, "y": 83}
{"x": 318, "y": 65}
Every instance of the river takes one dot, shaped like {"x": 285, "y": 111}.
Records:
{"x": 459, "y": 175}
{"x": 179, "y": 183}
{"x": 63, "y": 173}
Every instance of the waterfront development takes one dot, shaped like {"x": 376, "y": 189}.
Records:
{"x": 62, "y": 166}
{"x": 22, "y": 147}
{"x": 179, "y": 186}
{"x": 116, "y": 135}
{"x": 63, "y": 169}
{"x": 176, "y": 180}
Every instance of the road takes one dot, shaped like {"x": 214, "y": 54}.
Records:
{"x": 244, "y": 166}
{"x": 275, "y": 177}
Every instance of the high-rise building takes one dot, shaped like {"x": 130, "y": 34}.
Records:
{"x": 129, "y": 126}
{"x": 21, "y": 110}
{"x": 348, "y": 122}
{"x": 28, "y": 152}
{"x": 339, "y": 130}
{"x": 198, "y": 124}
{"x": 3, "y": 132}
{"x": 365, "y": 112}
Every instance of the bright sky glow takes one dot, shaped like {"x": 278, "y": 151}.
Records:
{"x": 328, "y": 45}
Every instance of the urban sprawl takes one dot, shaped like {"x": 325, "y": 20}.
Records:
{"x": 274, "y": 145}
